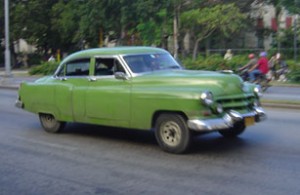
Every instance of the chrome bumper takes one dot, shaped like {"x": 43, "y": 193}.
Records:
{"x": 227, "y": 121}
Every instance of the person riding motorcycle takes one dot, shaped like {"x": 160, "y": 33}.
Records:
{"x": 261, "y": 67}
{"x": 244, "y": 70}
{"x": 252, "y": 62}
{"x": 255, "y": 71}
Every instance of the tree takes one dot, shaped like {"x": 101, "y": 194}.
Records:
{"x": 226, "y": 18}
{"x": 74, "y": 24}
{"x": 153, "y": 23}
{"x": 32, "y": 21}
{"x": 65, "y": 17}
{"x": 293, "y": 6}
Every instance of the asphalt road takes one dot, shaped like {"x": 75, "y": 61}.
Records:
{"x": 282, "y": 93}
{"x": 87, "y": 159}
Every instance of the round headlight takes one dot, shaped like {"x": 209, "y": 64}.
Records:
{"x": 207, "y": 98}
{"x": 257, "y": 90}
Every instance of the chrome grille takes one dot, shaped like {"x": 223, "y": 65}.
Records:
{"x": 237, "y": 103}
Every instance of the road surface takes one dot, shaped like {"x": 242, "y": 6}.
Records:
{"x": 87, "y": 159}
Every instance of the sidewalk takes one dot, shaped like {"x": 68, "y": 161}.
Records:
{"x": 275, "y": 97}
{"x": 17, "y": 77}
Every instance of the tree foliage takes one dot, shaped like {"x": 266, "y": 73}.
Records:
{"x": 71, "y": 25}
{"x": 32, "y": 21}
{"x": 293, "y": 6}
{"x": 225, "y": 18}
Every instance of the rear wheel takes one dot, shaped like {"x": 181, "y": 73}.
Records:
{"x": 236, "y": 130}
{"x": 50, "y": 124}
{"x": 172, "y": 134}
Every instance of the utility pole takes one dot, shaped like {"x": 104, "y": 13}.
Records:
{"x": 295, "y": 37}
{"x": 7, "y": 50}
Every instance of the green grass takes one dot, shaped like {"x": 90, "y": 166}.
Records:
{"x": 285, "y": 84}
{"x": 289, "y": 102}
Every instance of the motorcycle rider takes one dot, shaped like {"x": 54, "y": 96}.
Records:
{"x": 252, "y": 62}
{"x": 261, "y": 67}
{"x": 244, "y": 70}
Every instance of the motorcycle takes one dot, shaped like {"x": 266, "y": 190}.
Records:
{"x": 280, "y": 74}
{"x": 261, "y": 79}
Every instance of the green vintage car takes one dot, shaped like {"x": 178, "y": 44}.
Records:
{"x": 142, "y": 88}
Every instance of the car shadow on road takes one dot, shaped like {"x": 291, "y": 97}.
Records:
{"x": 214, "y": 143}
{"x": 111, "y": 133}
{"x": 201, "y": 144}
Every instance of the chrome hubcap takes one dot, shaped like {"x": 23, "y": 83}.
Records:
{"x": 170, "y": 133}
{"x": 49, "y": 121}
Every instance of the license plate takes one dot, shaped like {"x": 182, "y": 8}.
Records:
{"x": 249, "y": 121}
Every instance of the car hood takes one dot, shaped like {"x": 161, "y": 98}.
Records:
{"x": 188, "y": 80}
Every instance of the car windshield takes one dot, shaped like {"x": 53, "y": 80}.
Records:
{"x": 151, "y": 62}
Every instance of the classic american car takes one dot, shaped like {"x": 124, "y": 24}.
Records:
{"x": 142, "y": 88}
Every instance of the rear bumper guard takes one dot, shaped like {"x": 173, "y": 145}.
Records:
{"x": 19, "y": 104}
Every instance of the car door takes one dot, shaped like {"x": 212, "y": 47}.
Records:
{"x": 71, "y": 84}
{"x": 108, "y": 98}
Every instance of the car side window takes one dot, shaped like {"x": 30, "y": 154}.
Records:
{"x": 107, "y": 66}
{"x": 78, "y": 68}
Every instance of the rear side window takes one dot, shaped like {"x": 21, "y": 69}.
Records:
{"x": 78, "y": 68}
{"x": 107, "y": 66}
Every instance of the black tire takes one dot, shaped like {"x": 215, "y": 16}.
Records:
{"x": 236, "y": 130}
{"x": 172, "y": 133}
{"x": 50, "y": 124}
{"x": 265, "y": 85}
{"x": 263, "y": 82}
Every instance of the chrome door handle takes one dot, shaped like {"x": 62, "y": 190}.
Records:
{"x": 92, "y": 79}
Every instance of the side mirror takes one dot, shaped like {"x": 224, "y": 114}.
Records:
{"x": 60, "y": 78}
{"x": 121, "y": 76}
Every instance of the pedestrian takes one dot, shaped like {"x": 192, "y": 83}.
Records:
{"x": 228, "y": 55}
{"x": 51, "y": 59}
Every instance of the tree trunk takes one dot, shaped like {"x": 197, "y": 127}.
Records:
{"x": 207, "y": 46}
{"x": 195, "y": 51}
{"x": 186, "y": 43}
{"x": 175, "y": 33}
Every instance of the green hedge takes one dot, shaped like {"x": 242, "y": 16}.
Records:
{"x": 216, "y": 62}
{"x": 213, "y": 63}
{"x": 294, "y": 74}
{"x": 46, "y": 68}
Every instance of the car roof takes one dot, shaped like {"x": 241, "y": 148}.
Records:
{"x": 113, "y": 51}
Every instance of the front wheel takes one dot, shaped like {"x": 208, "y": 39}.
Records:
{"x": 265, "y": 85}
{"x": 172, "y": 133}
{"x": 234, "y": 131}
{"x": 50, "y": 124}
